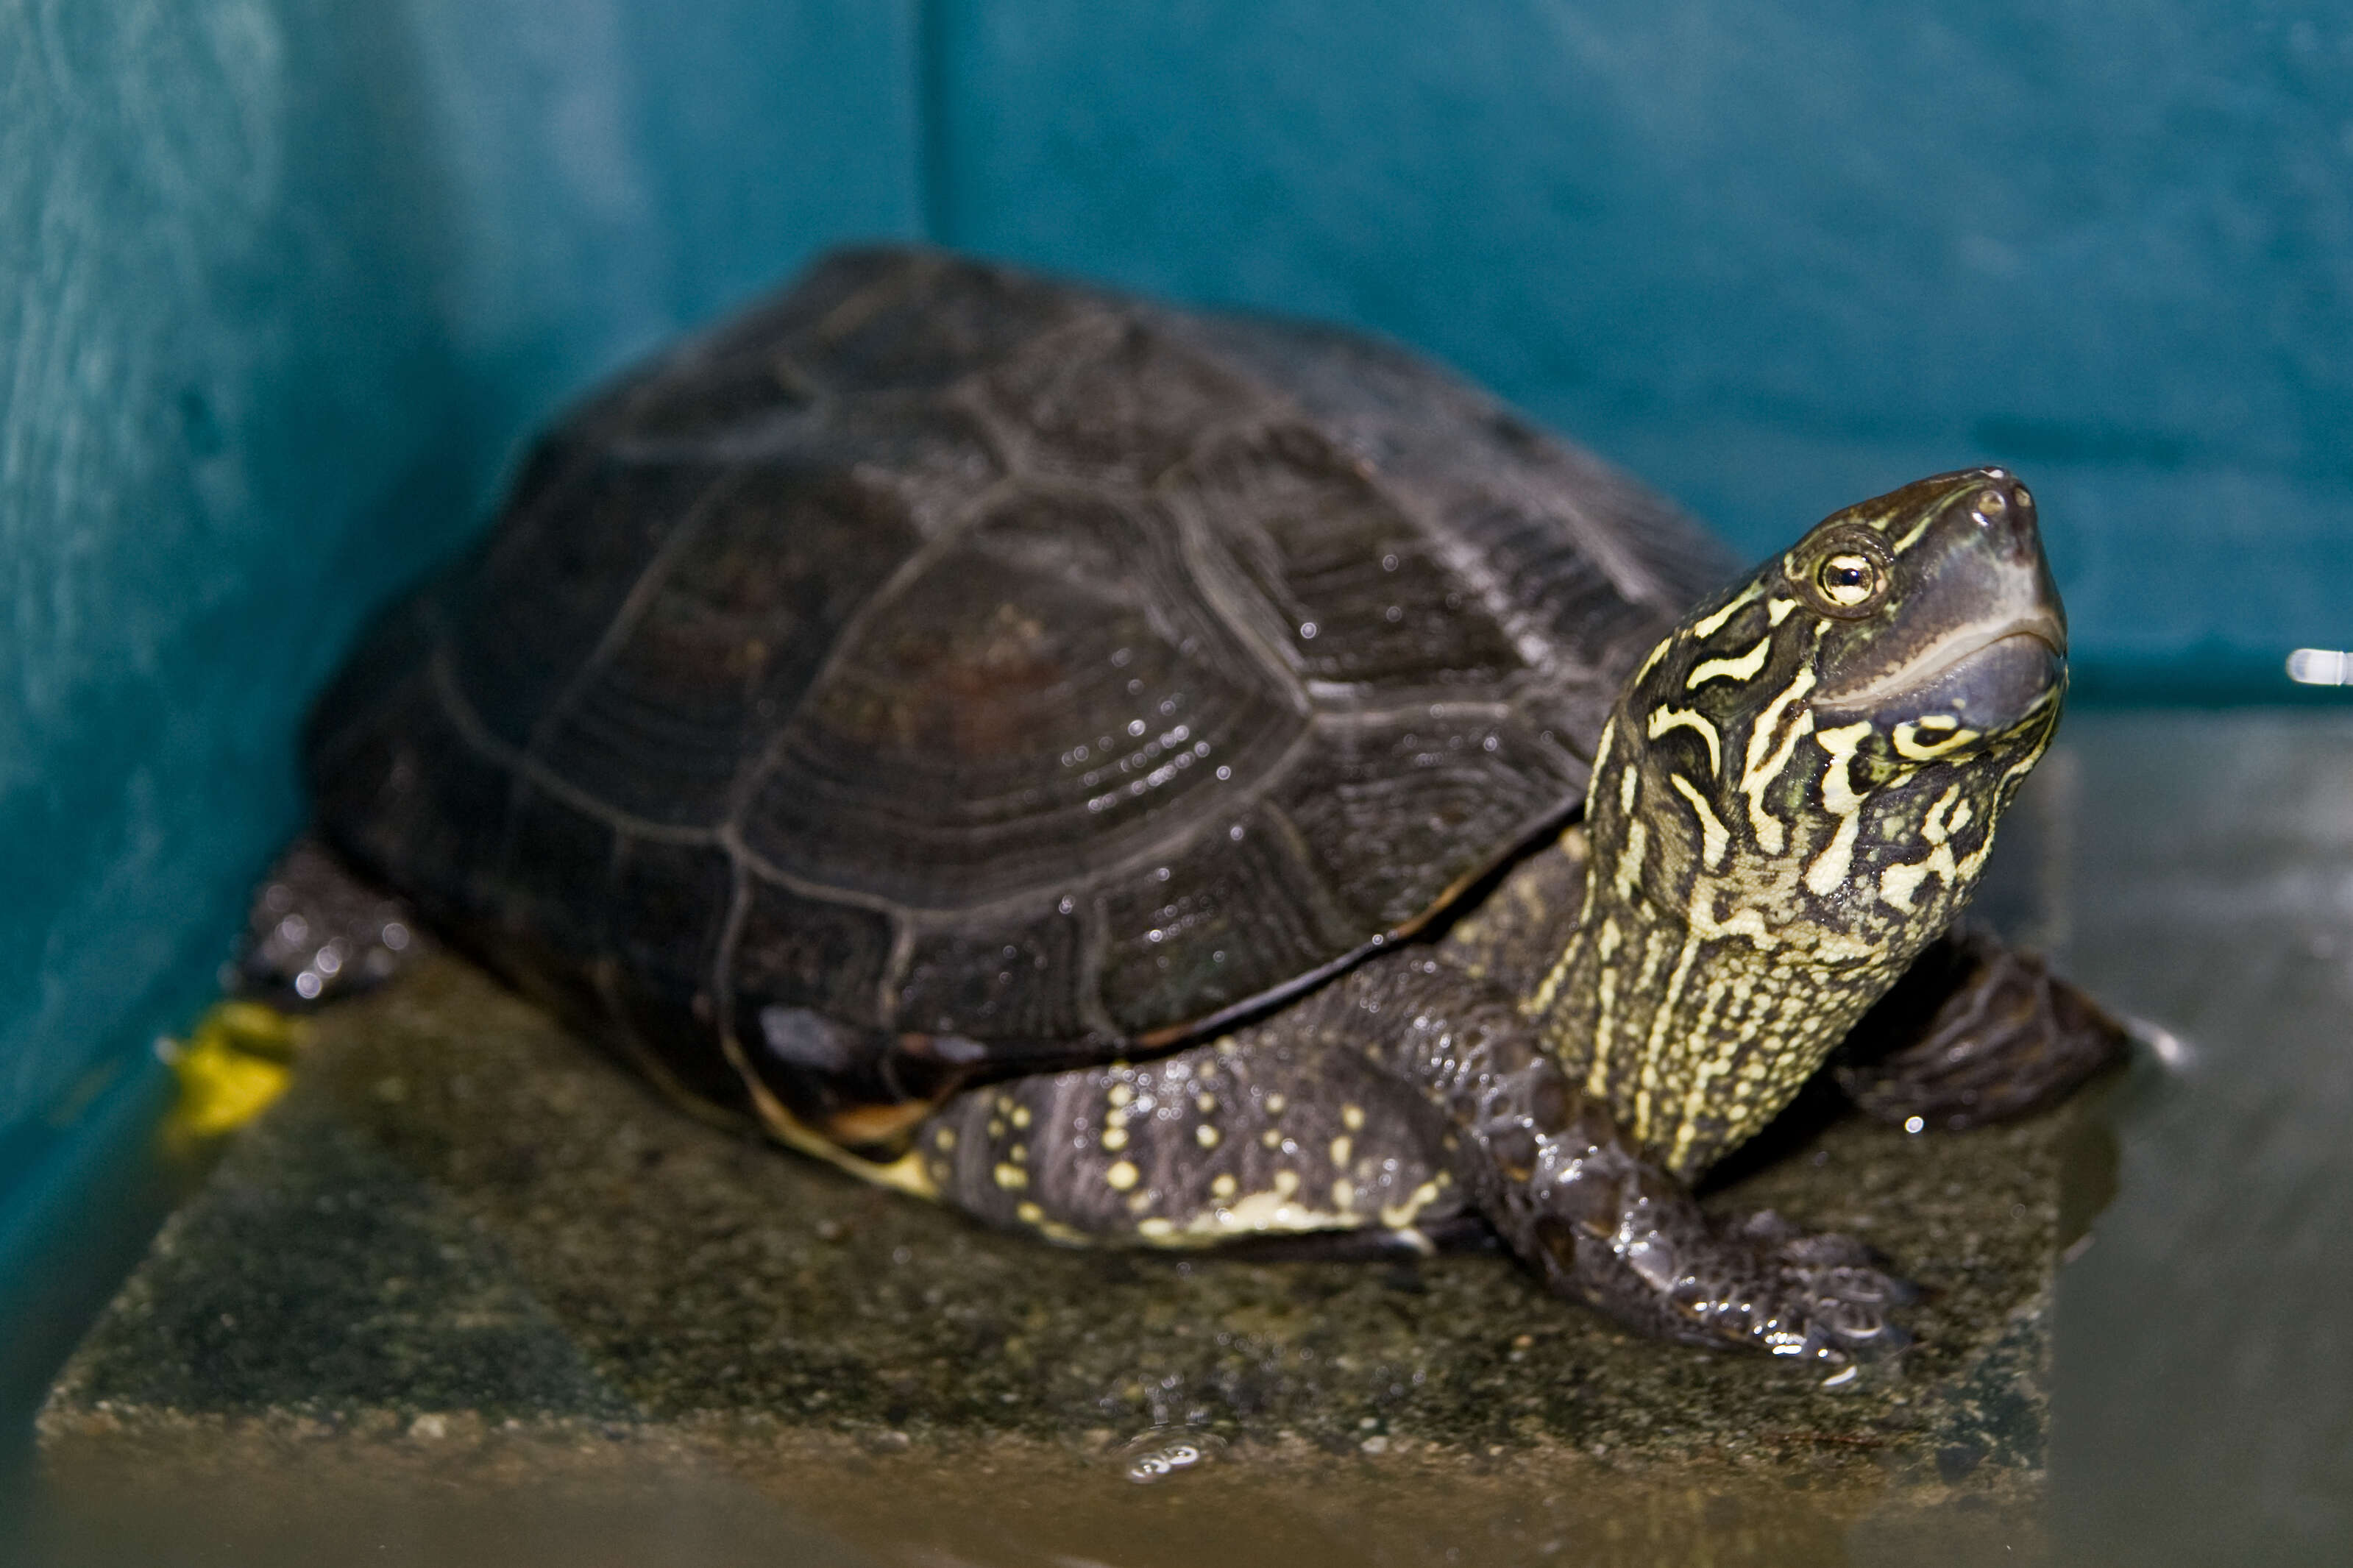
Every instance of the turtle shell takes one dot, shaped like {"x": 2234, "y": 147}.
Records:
{"x": 941, "y": 650}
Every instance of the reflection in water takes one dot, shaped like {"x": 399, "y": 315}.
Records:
{"x": 1156, "y": 1455}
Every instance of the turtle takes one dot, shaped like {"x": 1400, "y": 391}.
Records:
{"x": 1156, "y": 776}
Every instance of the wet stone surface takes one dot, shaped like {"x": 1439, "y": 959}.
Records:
{"x": 464, "y": 1233}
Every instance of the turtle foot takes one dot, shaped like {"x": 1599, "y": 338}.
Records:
{"x": 1977, "y": 1033}
{"x": 316, "y": 932}
{"x": 1815, "y": 1295}
{"x": 1757, "y": 1281}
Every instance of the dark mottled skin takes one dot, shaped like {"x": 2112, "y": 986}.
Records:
{"x": 1412, "y": 1088}
{"x": 1026, "y": 745}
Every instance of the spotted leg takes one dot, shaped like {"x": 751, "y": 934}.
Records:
{"x": 1401, "y": 1098}
{"x": 1975, "y": 1033}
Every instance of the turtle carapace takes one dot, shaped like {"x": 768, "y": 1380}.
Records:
{"x": 1156, "y": 777}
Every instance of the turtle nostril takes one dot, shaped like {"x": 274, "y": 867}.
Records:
{"x": 2005, "y": 510}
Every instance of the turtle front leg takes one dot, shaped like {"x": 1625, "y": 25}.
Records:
{"x": 1976, "y": 1031}
{"x": 1571, "y": 1193}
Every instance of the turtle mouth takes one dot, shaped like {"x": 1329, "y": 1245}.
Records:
{"x": 1986, "y": 679}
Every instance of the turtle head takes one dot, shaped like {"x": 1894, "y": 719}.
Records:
{"x": 1932, "y": 619}
{"x": 1795, "y": 793}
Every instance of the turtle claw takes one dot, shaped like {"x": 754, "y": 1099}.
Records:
{"x": 1761, "y": 1282}
{"x": 1816, "y": 1297}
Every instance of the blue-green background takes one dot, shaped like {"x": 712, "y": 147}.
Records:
{"x": 284, "y": 282}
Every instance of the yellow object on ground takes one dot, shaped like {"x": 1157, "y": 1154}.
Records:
{"x": 234, "y": 1064}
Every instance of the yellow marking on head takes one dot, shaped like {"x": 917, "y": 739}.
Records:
{"x": 1650, "y": 661}
{"x": 1713, "y": 839}
{"x": 1744, "y": 667}
{"x": 1704, "y": 629}
{"x": 1899, "y": 884}
{"x": 1629, "y": 871}
{"x": 1829, "y": 871}
{"x": 1341, "y": 1150}
{"x": 1926, "y": 521}
{"x": 1663, "y": 720}
{"x": 1778, "y": 611}
{"x": 1766, "y": 758}
{"x": 1205, "y": 1135}
{"x": 1629, "y": 783}
{"x": 1947, "y": 735}
{"x": 1352, "y": 1117}
{"x": 1122, "y": 1177}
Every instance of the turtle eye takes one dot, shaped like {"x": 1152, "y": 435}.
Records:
{"x": 1847, "y": 580}
{"x": 1845, "y": 573}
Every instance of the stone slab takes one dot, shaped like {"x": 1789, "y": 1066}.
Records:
{"x": 465, "y": 1247}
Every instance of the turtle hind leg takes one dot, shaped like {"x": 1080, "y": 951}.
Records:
{"x": 1975, "y": 1033}
{"x": 317, "y": 931}
{"x": 1257, "y": 1135}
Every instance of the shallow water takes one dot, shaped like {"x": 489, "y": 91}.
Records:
{"x": 2194, "y": 871}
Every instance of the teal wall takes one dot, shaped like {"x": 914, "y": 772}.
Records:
{"x": 283, "y": 281}
{"x": 1773, "y": 257}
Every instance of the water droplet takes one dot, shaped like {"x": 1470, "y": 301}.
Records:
{"x": 1163, "y": 1452}
{"x": 1307, "y": 631}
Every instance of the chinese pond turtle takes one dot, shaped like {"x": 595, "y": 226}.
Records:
{"x": 1158, "y": 777}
